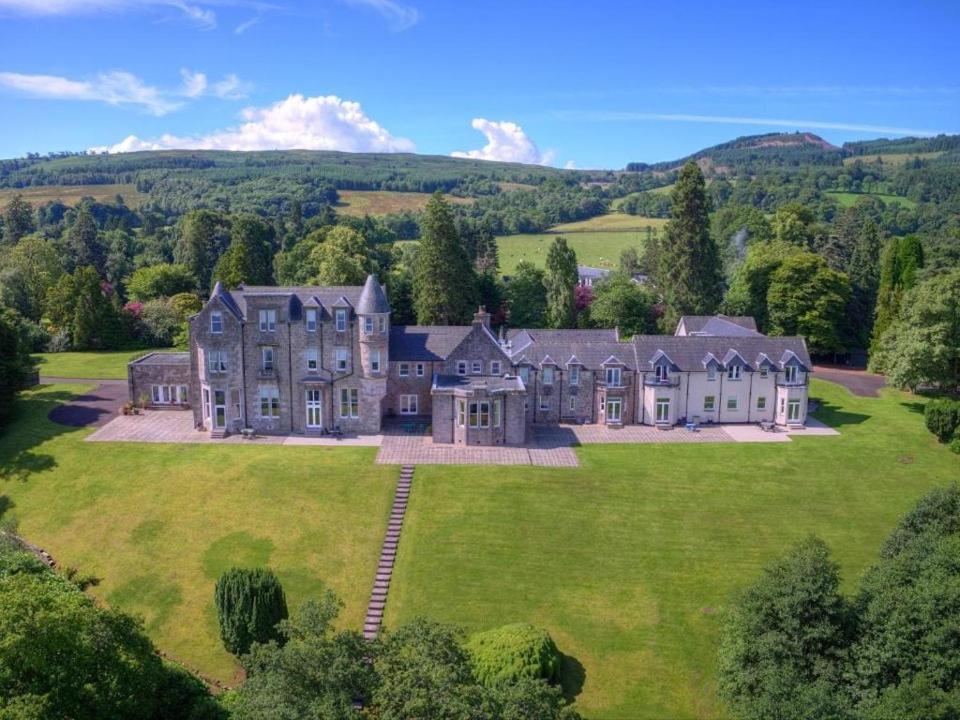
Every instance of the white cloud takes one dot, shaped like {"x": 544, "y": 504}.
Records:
{"x": 298, "y": 122}
{"x": 114, "y": 88}
{"x": 739, "y": 120}
{"x": 399, "y": 16}
{"x": 570, "y": 165}
{"x": 197, "y": 13}
{"x": 246, "y": 25}
{"x": 118, "y": 87}
{"x": 506, "y": 142}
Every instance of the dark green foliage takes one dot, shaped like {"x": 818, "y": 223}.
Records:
{"x": 88, "y": 310}
{"x": 942, "y": 418}
{"x": 250, "y": 604}
{"x": 527, "y": 296}
{"x": 560, "y": 280}
{"x": 28, "y": 272}
{"x": 83, "y": 243}
{"x": 937, "y": 513}
{"x": 689, "y": 263}
{"x": 317, "y": 673}
{"x": 341, "y": 259}
{"x": 509, "y": 654}
{"x": 249, "y": 258}
{"x": 783, "y": 643}
{"x": 901, "y": 259}
{"x": 17, "y": 220}
{"x": 204, "y": 236}
{"x": 619, "y": 302}
{"x": 159, "y": 281}
{"x": 444, "y": 284}
{"x": 807, "y": 298}
{"x": 63, "y": 656}
{"x": 15, "y": 360}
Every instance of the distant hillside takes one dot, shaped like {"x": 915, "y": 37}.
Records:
{"x": 751, "y": 151}
{"x": 904, "y": 146}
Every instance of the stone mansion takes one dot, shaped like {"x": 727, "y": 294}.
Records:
{"x": 314, "y": 360}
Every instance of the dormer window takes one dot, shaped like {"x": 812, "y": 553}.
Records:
{"x": 790, "y": 373}
{"x": 268, "y": 320}
{"x": 734, "y": 372}
{"x": 613, "y": 376}
{"x": 311, "y": 319}
{"x": 764, "y": 372}
{"x": 711, "y": 373}
{"x": 341, "y": 319}
{"x": 548, "y": 375}
{"x": 662, "y": 373}
{"x": 216, "y": 322}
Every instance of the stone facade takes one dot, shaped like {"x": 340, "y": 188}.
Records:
{"x": 307, "y": 360}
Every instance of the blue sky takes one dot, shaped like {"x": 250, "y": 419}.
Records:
{"x": 593, "y": 84}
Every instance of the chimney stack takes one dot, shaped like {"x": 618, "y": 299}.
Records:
{"x": 482, "y": 317}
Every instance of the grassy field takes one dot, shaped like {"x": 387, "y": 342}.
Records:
{"x": 597, "y": 241}
{"x": 849, "y": 199}
{"x": 106, "y": 365}
{"x": 895, "y": 159}
{"x": 629, "y": 560}
{"x": 71, "y": 194}
{"x": 380, "y": 202}
{"x": 158, "y": 523}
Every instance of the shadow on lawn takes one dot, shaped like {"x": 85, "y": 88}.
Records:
{"x": 572, "y": 677}
{"x": 29, "y": 427}
{"x": 914, "y": 407}
{"x": 834, "y": 416}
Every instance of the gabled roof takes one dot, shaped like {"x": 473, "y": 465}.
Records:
{"x": 790, "y": 357}
{"x": 711, "y": 359}
{"x": 732, "y": 355}
{"x": 717, "y": 325}
{"x": 589, "y": 353}
{"x": 321, "y": 296}
{"x": 763, "y": 361}
{"x": 660, "y": 357}
{"x": 425, "y": 342}
{"x": 485, "y": 333}
{"x": 373, "y": 300}
{"x": 688, "y": 352}
{"x": 227, "y": 299}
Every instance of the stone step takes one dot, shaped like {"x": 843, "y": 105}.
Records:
{"x": 375, "y": 615}
{"x": 377, "y": 604}
{"x": 384, "y": 578}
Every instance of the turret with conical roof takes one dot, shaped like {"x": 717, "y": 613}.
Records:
{"x": 373, "y": 312}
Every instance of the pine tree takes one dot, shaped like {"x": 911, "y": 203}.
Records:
{"x": 84, "y": 246}
{"x": 249, "y": 258}
{"x": 204, "y": 235}
{"x": 561, "y": 280}
{"x": 444, "y": 286}
{"x": 902, "y": 258}
{"x": 249, "y": 603}
{"x": 689, "y": 263}
{"x": 527, "y": 296}
{"x": 864, "y": 271}
{"x": 17, "y": 220}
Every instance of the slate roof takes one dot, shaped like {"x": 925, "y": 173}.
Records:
{"x": 725, "y": 325}
{"x": 452, "y": 383}
{"x": 566, "y": 344}
{"x": 373, "y": 300}
{"x": 425, "y": 342}
{"x": 522, "y": 338}
{"x": 690, "y": 352}
{"x": 327, "y": 297}
{"x": 595, "y": 273}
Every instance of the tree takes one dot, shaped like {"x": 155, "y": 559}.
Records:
{"x": 204, "y": 236}
{"x": 512, "y": 653}
{"x": 121, "y": 248}
{"x": 250, "y": 604}
{"x": 15, "y": 361}
{"x": 83, "y": 244}
{"x": 735, "y": 228}
{"x": 17, "y": 220}
{"x": 864, "y": 272}
{"x": 30, "y": 270}
{"x": 298, "y": 264}
{"x": 444, "y": 285}
{"x": 560, "y": 280}
{"x": 688, "y": 275}
{"x": 782, "y": 644}
{"x": 922, "y": 347}
{"x": 792, "y": 225}
{"x": 87, "y": 309}
{"x": 621, "y": 303}
{"x": 159, "y": 281}
{"x": 316, "y": 672}
{"x": 249, "y": 258}
{"x": 751, "y": 281}
{"x": 902, "y": 257}
{"x": 341, "y": 259}
{"x": 527, "y": 296}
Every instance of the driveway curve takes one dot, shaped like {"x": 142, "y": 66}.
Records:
{"x": 93, "y": 409}
{"x": 859, "y": 382}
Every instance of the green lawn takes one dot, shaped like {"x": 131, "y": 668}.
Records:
{"x": 159, "y": 523}
{"x": 846, "y": 200}
{"x": 597, "y": 241}
{"x": 106, "y": 365}
{"x": 629, "y": 560}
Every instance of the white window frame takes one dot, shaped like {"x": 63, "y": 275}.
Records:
{"x": 790, "y": 374}
{"x": 313, "y": 360}
{"x": 479, "y": 414}
{"x": 409, "y": 404}
{"x": 349, "y": 403}
{"x": 340, "y": 315}
{"x": 543, "y": 402}
{"x": 476, "y": 367}
{"x": 496, "y": 409}
{"x": 711, "y": 374}
{"x": 461, "y": 367}
{"x": 712, "y": 405}
{"x": 267, "y": 357}
{"x": 375, "y": 361}
{"x": 662, "y": 373}
{"x": 216, "y": 361}
{"x": 342, "y": 359}
{"x": 614, "y": 377}
{"x": 269, "y": 400}
{"x": 310, "y": 317}
{"x": 496, "y": 368}
{"x": 614, "y": 417}
{"x": 268, "y": 320}
{"x": 403, "y": 369}
{"x": 546, "y": 374}
{"x": 421, "y": 370}
{"x": 791, "y": 404}
{"x": 382, "y": 324}
{"x": 461, "y": 413}
{"x": 573, "y": 403}
{"x": 662, "y": 403}
{"x": 574, "y": 375}
{"x": 368, "y": 325}
{"x": 733, "y": 403}
{"x": 735, "y": 372}
{"x": 236, "y": 400}
{"x": 216, "y": 322}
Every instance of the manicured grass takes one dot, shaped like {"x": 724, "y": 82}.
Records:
{"x": 849, "y": 199}
{"x": 629, "y": 560}
{"x": 598, "y": 241}
{"x": 159, "y": 523}
{"x": 381, "y": 202}
{"x": 106, "y": 365}
{"x": 71, "y": 194}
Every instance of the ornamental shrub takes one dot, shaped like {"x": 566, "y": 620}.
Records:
{"x": 512, "y": 653}
{"x": 955, "y": 443}
{"x": 943, "y": 418}
{"x": 249, "y": 603}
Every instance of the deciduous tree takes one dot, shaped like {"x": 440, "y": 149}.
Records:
{"x": 17, "y": 220}
{"x": 560, "y": 279}
{"x": 527, "y": 296}
{"x": 621, "y": 303}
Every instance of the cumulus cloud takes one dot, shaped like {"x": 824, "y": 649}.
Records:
{"x": 399, "y": 16}
{"x": 118, "y": 87}
{"x": 298, "y": 122}
{"x": 197, "y": 13}
{"x": 506, "y": 142}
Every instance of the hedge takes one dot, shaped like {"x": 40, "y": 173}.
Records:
{"x": 513, "y": 652}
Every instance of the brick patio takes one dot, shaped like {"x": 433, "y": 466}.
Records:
{"x": 400, "y": 448}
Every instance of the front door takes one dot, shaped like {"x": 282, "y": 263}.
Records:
{"x": 314, "y": 411}
{"x": 793, "y": 411}
{"x": 614, "y": 411}
{"x": 219, "y": 409}
{"x": 663, "y": 410}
